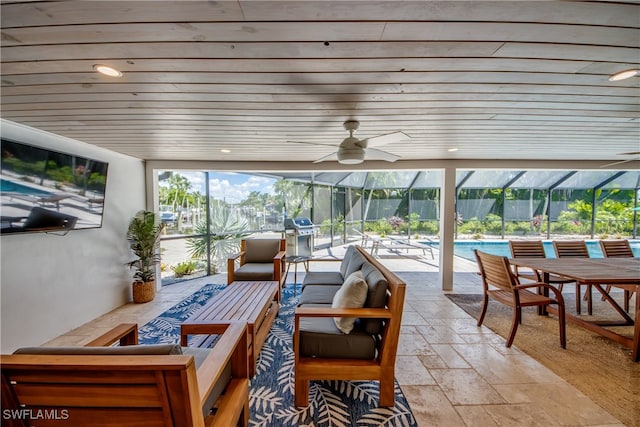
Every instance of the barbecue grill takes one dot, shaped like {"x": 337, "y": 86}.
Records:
{"x": 299, "y": 236}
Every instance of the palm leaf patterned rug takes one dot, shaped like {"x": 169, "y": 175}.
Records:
{"x": 331, "y": 403}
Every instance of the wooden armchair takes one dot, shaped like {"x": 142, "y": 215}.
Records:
{"x": 500, "y": 283}
{"x": 258, "y": 259}
{"x": 381, "y": 367}
{"x": 618, "y": 249}
{"x": 533, "y": 249}
{"x": 575, "y": 249}
{"x": 126, "y": 386}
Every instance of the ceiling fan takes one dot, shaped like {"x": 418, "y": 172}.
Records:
{"x": 635, "y": 156}
{"x": 352, "y": 150}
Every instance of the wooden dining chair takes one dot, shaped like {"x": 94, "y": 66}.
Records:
{"x": 618, "y": 249}
{"x": 500, "y": 283}
{"x": 575, "y": 249}
{"x": 533, "y": 249}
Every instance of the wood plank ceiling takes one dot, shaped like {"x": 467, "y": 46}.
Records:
{"x": 275, "y": 80}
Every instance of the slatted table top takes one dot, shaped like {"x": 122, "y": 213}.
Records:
{"x": 587, "y": 270}
{"x": 239, "y": 301}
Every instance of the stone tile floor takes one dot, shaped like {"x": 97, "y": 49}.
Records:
{"x": 452, "y": 372}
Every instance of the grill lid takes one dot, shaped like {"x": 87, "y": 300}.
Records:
{"x": 297, "y": 223}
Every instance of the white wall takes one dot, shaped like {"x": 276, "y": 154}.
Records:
{"x": 51, "y": 284}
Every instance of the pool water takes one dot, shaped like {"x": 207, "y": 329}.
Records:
{"x": 465, "y": 249}
{"x": 14, "y": 187}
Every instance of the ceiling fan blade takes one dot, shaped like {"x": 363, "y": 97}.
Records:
{"x": 313, "y": 143}
{"x": 618, "y": 163}
{"x": 333, "y": 155}
{"x": 388, "y": 138}
{"x": 372, "y": 153}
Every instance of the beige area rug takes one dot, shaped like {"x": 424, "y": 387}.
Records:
{"x": 598, "y": 367}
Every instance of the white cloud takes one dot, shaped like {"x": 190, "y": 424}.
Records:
{"x": 237, "y": 191}
{"x": 229, "y": 186}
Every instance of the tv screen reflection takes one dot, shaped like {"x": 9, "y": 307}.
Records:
{"x": 43, "y": 190}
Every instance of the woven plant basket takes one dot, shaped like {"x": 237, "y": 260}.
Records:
{"x": 144, "y": 291}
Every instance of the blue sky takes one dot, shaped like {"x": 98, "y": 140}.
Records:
{"x": 230, "y": 186}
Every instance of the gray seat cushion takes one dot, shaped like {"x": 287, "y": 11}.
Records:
{"x": 199, "y": 355}
{"x": 333, "y": 278}
{"x": 142, "y": 350}
{"x": 376, "y": 296}
{"x": 355, "y": 263}
{"x": 261, "y": 250}
{"x": 254, "y": 271}
{"x": 346, "y": 259}
{"x": 318, "y": 294}
{"x": 319, "y": 337}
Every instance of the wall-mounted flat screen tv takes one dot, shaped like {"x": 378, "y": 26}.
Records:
{"x": 43, "y": 190}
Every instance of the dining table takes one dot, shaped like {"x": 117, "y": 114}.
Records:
{"x": 621, "y": 273}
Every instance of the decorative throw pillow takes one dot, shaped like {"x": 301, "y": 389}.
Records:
{"x": 352, "y": 294}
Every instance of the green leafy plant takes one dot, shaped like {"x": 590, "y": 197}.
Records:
{"x": 383, "y": 227}
{"x": 471, "y": 226}
{"x": 143, "y": 235}
{"x": 226, "y": 231}
{"x": 184, "y": 268}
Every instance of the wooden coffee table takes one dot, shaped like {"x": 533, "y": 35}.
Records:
{"x": 254, "y": 302}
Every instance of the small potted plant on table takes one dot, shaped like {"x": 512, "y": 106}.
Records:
{"x": 143, "y": 235}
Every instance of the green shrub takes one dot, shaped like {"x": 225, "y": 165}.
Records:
{"x": 184, "y": 268}
{"x": 471, "y": 226}
{"x": 383, "y": 227}
{"x": 429, "y": 227}
{"x": 493, "y": 224}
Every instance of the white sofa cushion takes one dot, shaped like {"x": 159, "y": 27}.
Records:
{"x": 352, "y": 294}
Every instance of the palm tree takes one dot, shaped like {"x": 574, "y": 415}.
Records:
{"x": 225, "y": 232}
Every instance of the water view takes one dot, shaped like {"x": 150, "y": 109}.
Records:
{"x": 464, "y": 249}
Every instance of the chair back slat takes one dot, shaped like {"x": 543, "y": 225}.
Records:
{"x": 495, "y": 271}
{"x": 571, "y": 248}
{"x": 527, "y": 249}
{"x": 616, "y": 248}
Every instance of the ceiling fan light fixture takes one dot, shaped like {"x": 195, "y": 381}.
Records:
{"x": 350, "y": 156}
{"x": 622, "y": 75}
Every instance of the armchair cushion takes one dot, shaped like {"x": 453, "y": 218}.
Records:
{"x": 319, "y": 337}
{"x": 352, "y": 294}
{"x": 254, "y": 271}
{"x": 199, "y": 356}
{"x": 261, "y": 250}
{"x": 141, "y": 350}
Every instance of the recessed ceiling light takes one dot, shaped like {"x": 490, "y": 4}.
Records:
{"x": 623, "y": 75}
{"x": 451, "y": 150}
{"x": 225, "y": 151}
{"x": 107, "y": 71}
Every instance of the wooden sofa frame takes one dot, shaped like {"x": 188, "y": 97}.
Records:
{"x": 382, "y": 368}
{"x": 120, "y": 390}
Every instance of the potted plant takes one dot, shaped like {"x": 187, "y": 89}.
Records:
{"x": 143, "y": 235}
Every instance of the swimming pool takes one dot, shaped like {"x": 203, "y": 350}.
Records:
{"x": 464, "y": 249}
{"x": 14, "y": 187}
